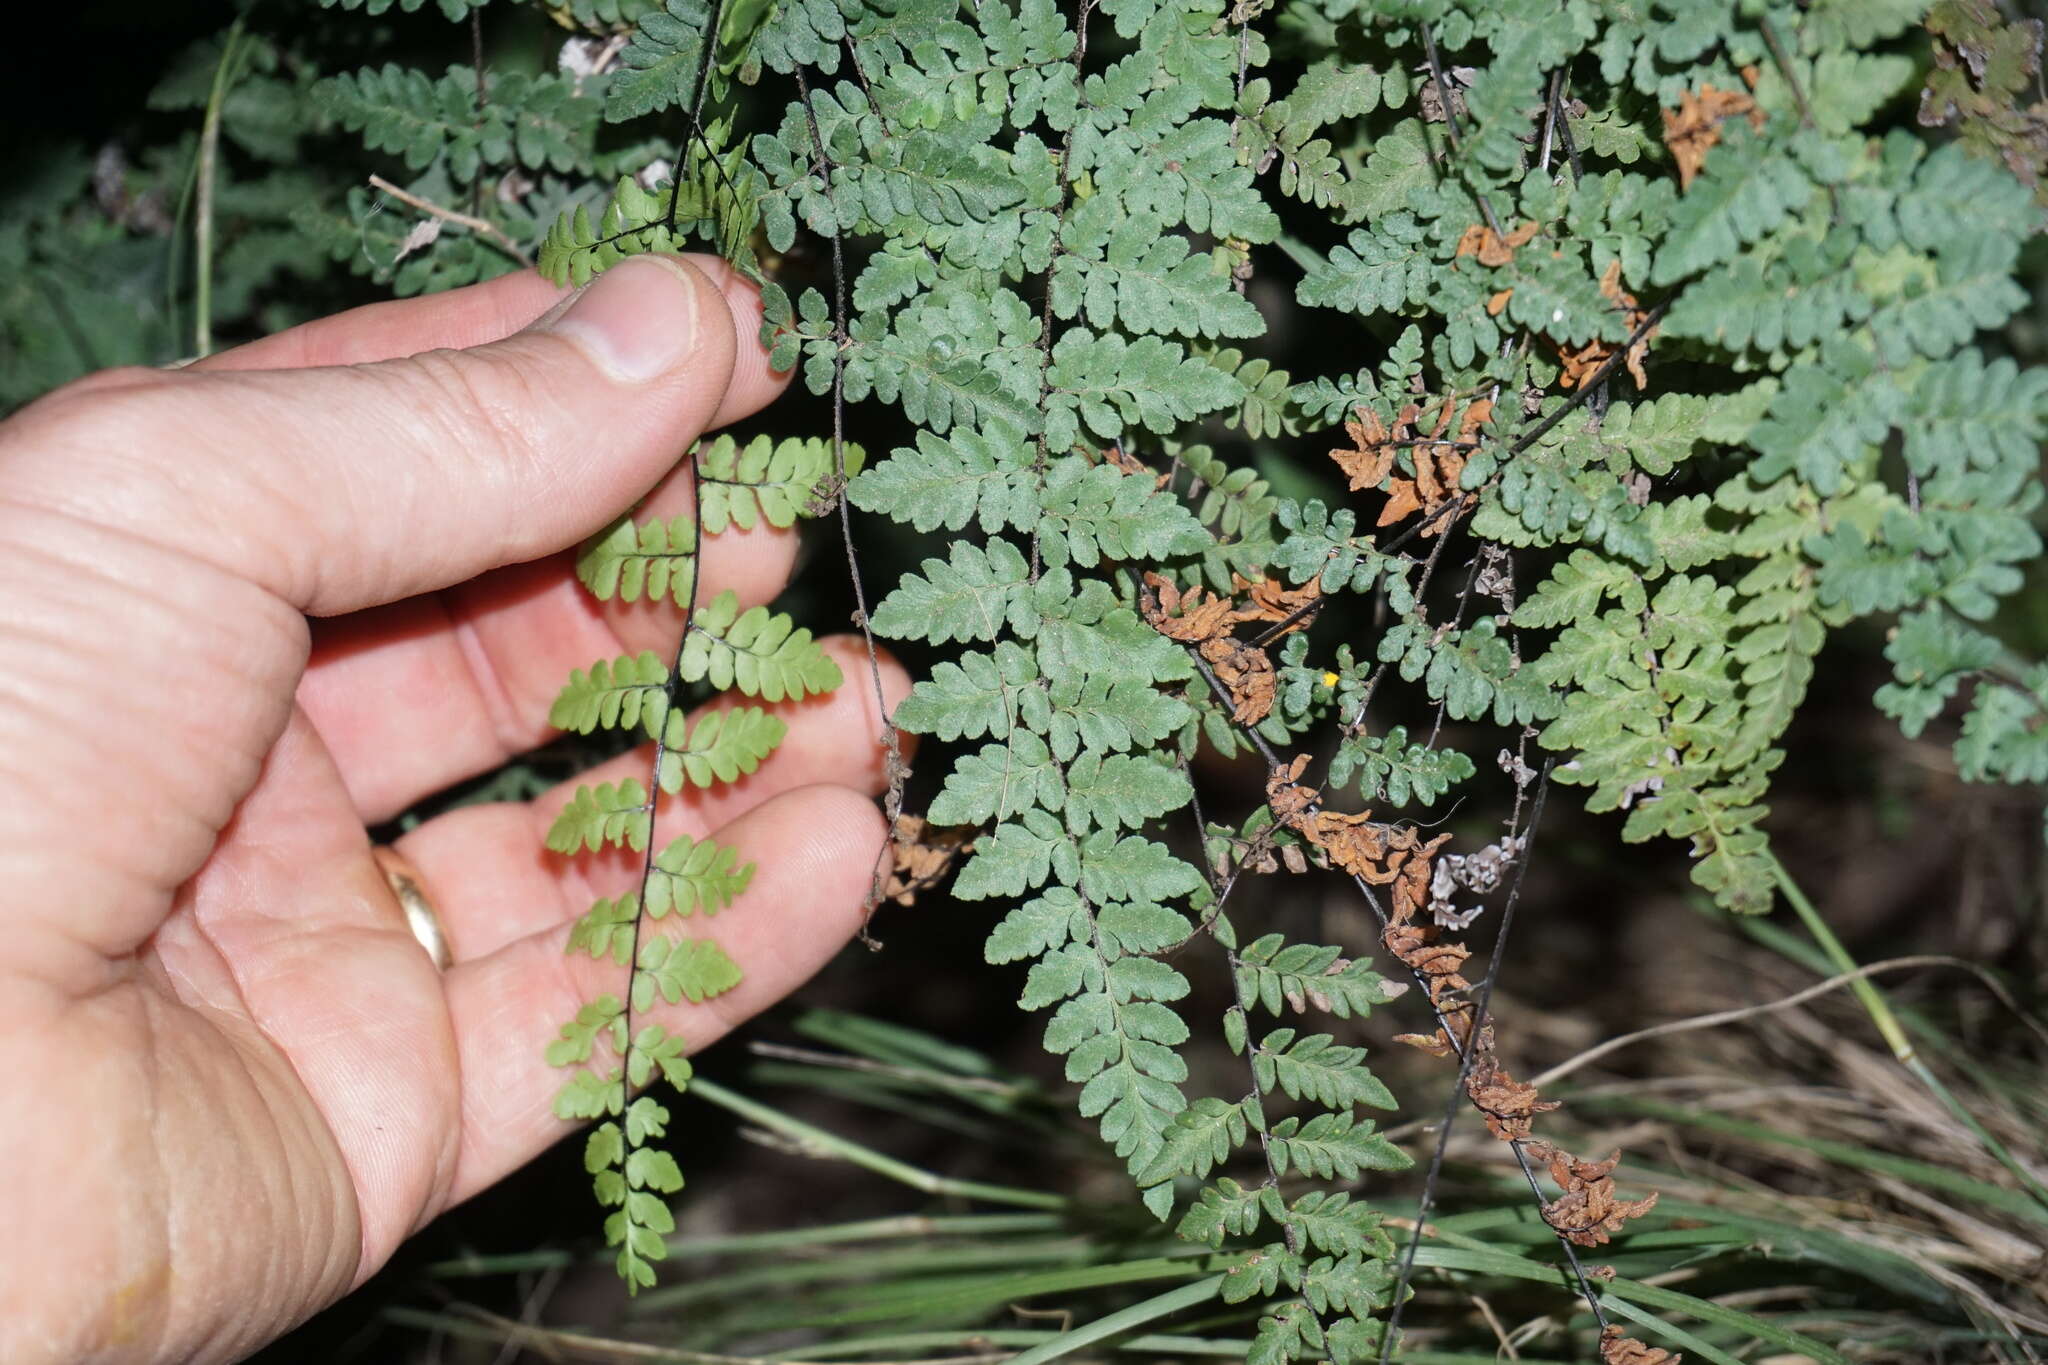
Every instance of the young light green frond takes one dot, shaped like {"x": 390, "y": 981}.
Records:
{"x": 635, "y": 222}
{"x": 605, "y": 814}
{"x": 606, "y": 929}
{"x": 629, "y": 560}
{"x": 621, "y": 693}
{"x": 677, "y": 969}
{"x": 604, "y": 1015}
{"x": 692, "y": 875}
{"x": 762, "y": 653}
{"x": 766, "y": 480}
{"x": 721, "y": 747}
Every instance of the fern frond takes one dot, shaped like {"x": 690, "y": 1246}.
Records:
{"x": 630, "y": 560}
{"x": 621, "y": 693}
{"x": 721, "y": 747}
{"x": 605, "y": 814}
{"x": 766, "y": 480}
{"x": 764, "y": 654}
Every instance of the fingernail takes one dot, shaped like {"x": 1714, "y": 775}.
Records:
{"x": 636, "y": 321}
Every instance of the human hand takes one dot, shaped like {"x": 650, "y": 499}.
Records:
{"x": 236, "y": 1082}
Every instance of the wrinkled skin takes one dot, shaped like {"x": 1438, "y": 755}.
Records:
{"x": 249, "y": 607}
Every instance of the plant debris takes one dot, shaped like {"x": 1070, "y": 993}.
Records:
{"x": 921, "y": 854}
{"x": 1203, "y": 619}
{"x": 1616, "y": 1349}
{"x": 1490, "y": 247}
{"x": 1581, "y": 363}
{"x": 1694, "y": 127}
{"x": 1588, "y": 1211}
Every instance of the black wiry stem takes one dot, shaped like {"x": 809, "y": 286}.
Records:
{"x": 1290, "y": 1233}
{"x": 672, "y": 694}
{"x": 890, "y": 741}
{"x": 483, "y": 100}
{"x": 1482, "y": 1016}
{"x": 1784, "y": 64}
{"x": 705, "y": 58}
{"x": 673, "y": 689}
{"x": 1372, "y": 685}
{"x": 1556, "y": 115}
{"x": 1443, "y": 95}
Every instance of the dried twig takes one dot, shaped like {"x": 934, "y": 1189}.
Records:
{"x": 1819, "y": 988}
{"x": 481, "y": 227}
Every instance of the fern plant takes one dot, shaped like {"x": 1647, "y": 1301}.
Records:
{"x": 755, "y": 653}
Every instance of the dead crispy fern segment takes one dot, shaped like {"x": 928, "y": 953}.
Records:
{"x": 756, "y": 653}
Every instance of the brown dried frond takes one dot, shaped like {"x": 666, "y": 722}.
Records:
{"x": 1205, "y": 620}
{"x": 1436, "y": 1044}
{"x": 1290, "y": 800}
{"x": 1508, "y": 1106}
{"x": 1371, "y": 456}
{"x": 1437, "y": 470}
{"x": 1477, "y": 414}
{"x": 1616, "y": 1349}
{"x": 921, "y": 854}
{"x": 1247, "y": 673}
{"x": 1402, "y": 502}
{"x": 1378, "y": 853}
{"x": 1692, "y": 129}
{"x": 1580, "y": 363}
{"x": 1490, "y": 247}
{"x": 1589, "y": 1211}
{"x": 1131, "y": 464}
{"x": 1190, "y": 617}
{"x": 1271, "y": 601}
{"x": 1370, "y": 459}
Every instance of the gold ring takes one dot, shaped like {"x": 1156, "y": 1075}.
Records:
{"x": 420, "y": 915}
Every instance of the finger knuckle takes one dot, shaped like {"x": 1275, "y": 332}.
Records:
{"x": 490, "y": 408}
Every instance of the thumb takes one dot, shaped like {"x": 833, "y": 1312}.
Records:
{"x": 342, "y": 487}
